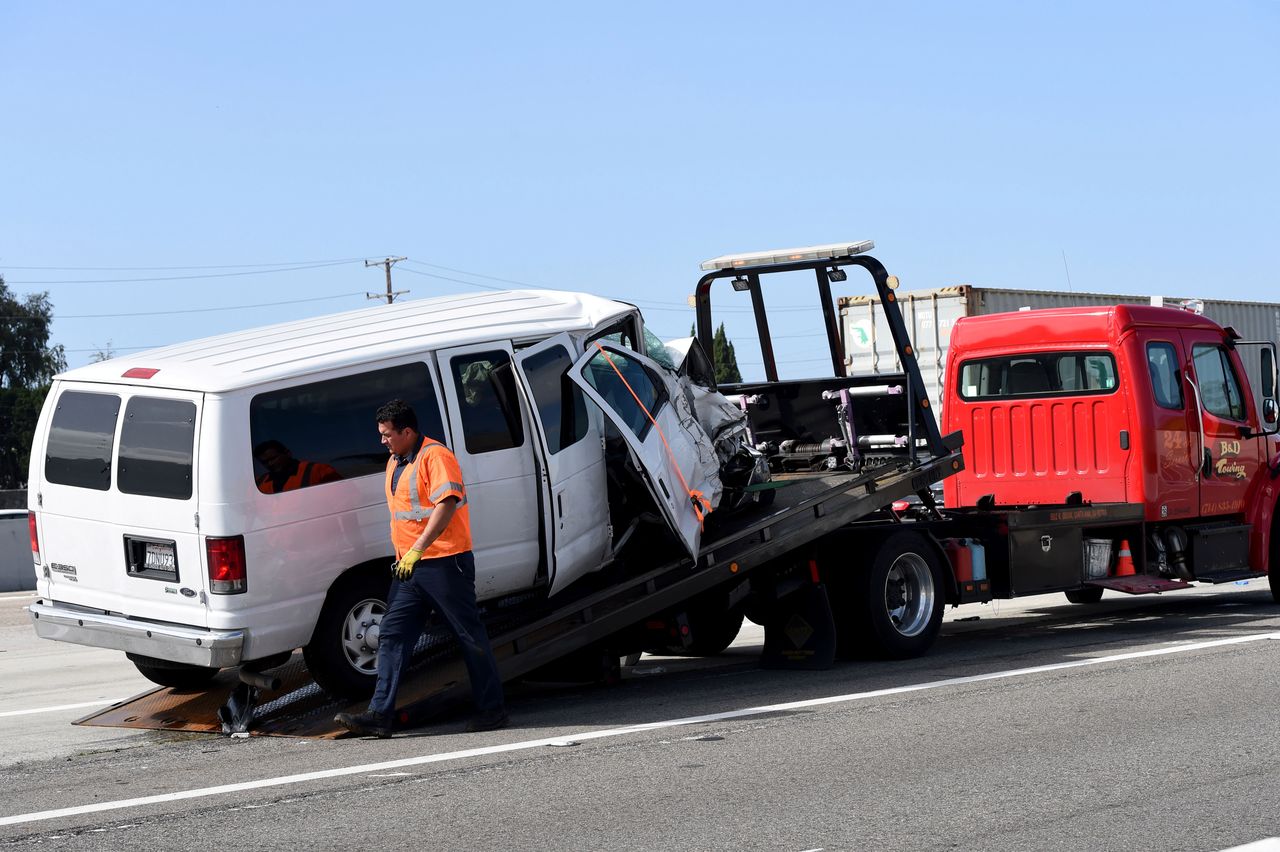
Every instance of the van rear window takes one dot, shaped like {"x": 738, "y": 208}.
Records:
{"x": 156, "y": 443}
{"x": 1038, "y": 375}
{"x": 81, "y": 439}
{"x": 324, "y": 431}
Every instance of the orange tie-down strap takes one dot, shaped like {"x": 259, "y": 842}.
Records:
{"x": 701, "y": 505}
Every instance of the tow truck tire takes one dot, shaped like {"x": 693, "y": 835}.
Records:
{"x": 1085, "y": 595}
{"x": 182, "y": 676}
{"x": 712, "y": 631}
{"x": 343, "y": 652}
{"x": 900, "y": 599}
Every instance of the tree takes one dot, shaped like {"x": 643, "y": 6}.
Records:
{"x": 726, "y": 359}
{"x": 722, "y": 353}
{"x": 27, "y": 365}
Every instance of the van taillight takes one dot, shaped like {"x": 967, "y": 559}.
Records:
{"x": 226, "y": 565}
{"x": 35, "y": 538}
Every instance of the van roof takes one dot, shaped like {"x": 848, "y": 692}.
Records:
{"x": 1058, "y": 328}
{"x": 255, "y": 356}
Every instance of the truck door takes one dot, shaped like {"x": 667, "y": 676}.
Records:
{"x": 573, "y": 461}
{"x": 495, "y": 451}
{"x": 1227, "y": 462}
{"x": 1175, "y": 422}
{"x": 674, "y": 453}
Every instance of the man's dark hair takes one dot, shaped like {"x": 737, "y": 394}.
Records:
{"x": 271, "y": 444}
{"x": 399, "y": 414}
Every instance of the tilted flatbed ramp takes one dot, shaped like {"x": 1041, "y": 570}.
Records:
{"x": 809, "y": 507}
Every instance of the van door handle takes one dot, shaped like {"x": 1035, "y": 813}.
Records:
{"x": 560, "y": 503}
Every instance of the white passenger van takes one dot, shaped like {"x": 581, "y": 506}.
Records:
{"x": 220, "y": 503}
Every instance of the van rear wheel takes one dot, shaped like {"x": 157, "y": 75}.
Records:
{"x": 343, "y": 652}
{"x": 174, "y": 675}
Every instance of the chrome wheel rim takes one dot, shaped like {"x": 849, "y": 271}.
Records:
{"x": 360, "y": 634}
{"x": 909, "y": 594}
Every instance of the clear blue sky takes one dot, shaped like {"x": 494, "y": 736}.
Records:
{"x": 612, "y": 147}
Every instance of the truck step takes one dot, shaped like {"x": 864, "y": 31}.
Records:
{"x": 1229, "y": 576}
{"x": 1140, "y": 584}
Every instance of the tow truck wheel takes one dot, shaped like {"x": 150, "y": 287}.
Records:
{"x": 343, "y": 652}
{"x": 901, "y": 598}
{"x": 1085, "y": 595}
{"x": 174, "y": 675}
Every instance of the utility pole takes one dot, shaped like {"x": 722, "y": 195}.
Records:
{"x": 388, "y": 263}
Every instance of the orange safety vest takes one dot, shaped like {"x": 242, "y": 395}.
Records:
{"x": 305, "y": 475}
{"x": 432, "y": 476}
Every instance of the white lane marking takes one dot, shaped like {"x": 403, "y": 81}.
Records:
{"x": 106, "y": 702}
{"x": 1267, "y": 844}
{"x": 525, "y": 745}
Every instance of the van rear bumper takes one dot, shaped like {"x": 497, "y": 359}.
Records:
{"x": 174, "y": 642}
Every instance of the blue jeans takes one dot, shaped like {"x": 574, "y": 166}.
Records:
{"x": 447, "y": 584}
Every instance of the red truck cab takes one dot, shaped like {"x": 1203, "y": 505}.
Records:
{"x": 1120, "y": 404}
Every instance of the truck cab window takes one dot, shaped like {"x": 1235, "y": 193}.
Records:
{"x": 81, "y": 440}
{"x": 1162, "y": 365}
{"x": 1039, "y": 375}
{"x": 489, "y": 407}
{"x": 1219, "y": 387}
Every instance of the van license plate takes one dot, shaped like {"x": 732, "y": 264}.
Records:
{"x": 157, "y": 559}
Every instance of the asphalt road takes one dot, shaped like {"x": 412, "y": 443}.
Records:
{"x": 1133, "y": 724}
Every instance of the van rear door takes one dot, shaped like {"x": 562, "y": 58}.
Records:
{"x": 117, "y": 501}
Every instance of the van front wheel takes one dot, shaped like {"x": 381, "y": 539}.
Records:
{"x": 343, "y": 652}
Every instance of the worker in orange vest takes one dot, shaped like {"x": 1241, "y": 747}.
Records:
{"x": 435, "y": 569}
{"x": 285, "y": 473}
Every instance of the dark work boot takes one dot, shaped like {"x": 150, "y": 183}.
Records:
{"x": 489, "y": 721}
{"x": 366, "y": 724}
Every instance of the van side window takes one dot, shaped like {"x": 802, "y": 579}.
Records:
{"x": 490, "y": 409}
{"x": 81, "y": 439}
{"x": 322, "y": 431}
{"x": 1166, "y": 386}
{"x": 622, "y": 333}
{"x": 1219, "y": 387}
{"x": 156, "y": 443}
{"x": 626, "y": 393}
{"x": 561, "y": 407}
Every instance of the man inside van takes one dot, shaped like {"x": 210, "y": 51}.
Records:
{"x": 285, "y": 473}
{"x": 435, "y": 569}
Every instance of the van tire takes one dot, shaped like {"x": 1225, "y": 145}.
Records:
{"x": 338, "y": 655}
{"x": 898, "y": 602}
{"x": 180, "y": 676}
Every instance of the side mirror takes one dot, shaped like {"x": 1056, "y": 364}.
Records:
{"x": 1270, "y": 411}
{"x": 1268, "y": 374}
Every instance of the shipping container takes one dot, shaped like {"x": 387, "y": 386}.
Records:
{"x": 930, "y": 314}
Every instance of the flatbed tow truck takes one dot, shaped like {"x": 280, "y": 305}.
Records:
{"x": 773, "y": 561}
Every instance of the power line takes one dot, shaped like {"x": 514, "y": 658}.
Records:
{"x": 180, "y": 277}
{"x": 187, "y": 310}
{"x": 161, "y": 268}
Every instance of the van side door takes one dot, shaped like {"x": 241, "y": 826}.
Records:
{"x": 492, "y": 440}
{"x": 573, "y": 460}
{"x": 1226, "y": 461}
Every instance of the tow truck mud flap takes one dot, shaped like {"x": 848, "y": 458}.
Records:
{"x": 1140, "y": 584}
{"x": 800, "y": 632}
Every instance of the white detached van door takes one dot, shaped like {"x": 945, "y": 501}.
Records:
{"x": 118, "y": 501}
{"x": 675, "y": 455}
{"x": 573, "y": 459}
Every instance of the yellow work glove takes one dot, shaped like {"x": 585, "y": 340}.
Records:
{"x": 403, "y": 569}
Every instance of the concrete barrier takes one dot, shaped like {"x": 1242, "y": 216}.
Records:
{"x": 16, "y": 571}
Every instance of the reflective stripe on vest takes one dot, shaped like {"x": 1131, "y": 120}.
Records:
{"x": 416, "y": 512}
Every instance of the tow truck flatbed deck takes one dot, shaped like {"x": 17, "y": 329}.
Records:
{"x": 806, "y": 508}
